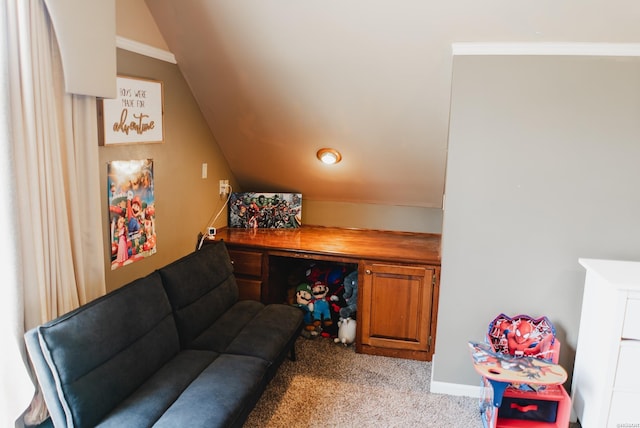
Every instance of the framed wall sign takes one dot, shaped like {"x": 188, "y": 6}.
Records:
{"x": 135, "y": 116}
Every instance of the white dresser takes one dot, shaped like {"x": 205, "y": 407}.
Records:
{"x": 606, "y": 377}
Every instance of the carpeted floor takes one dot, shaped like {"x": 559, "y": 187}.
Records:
{"x": 332, "y": 386}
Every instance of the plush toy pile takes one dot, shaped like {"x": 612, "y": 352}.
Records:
{"x": 327, "y": 293}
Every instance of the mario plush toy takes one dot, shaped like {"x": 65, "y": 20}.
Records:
{"x": 321, "y": 313}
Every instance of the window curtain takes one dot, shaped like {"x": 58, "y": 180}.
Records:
{"x": 50, "y": 211}
{"x": 17, "y": 389}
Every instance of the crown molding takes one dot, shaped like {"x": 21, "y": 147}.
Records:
{"x": 555, "y": 48}
{"x": 144, "y": 49}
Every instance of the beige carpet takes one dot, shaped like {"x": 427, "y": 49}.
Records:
{"x": 332, "y": 386}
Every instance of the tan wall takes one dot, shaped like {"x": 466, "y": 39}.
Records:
{"x": 185, "y": 202}
{"x": 134, "y": 21}
{"x": 371, "y": 216}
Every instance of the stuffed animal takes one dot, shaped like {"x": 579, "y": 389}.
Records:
{"x": 523, "y": 336}
{"x": 321, "y": 313}
{"x": 304, "y": 300}
{"x": 330, "y": 274}
{"x": 350, "y": 295}
{"x": 346, "y": 331}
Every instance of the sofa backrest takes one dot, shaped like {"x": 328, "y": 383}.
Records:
{"x": 91, "y": 359}
{"x": 201, "y": 287}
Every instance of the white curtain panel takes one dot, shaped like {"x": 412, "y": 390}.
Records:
{"x": 17, "y": 389}
{"x": 57, "y": 252}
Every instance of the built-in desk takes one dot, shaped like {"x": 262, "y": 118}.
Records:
{"x": 398, "y": 278}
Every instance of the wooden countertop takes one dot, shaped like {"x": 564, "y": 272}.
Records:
{"x": 331, "y": 241}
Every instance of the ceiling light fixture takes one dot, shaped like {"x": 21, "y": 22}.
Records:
{"x": 329, "y": 156}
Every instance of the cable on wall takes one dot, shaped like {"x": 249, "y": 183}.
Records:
{"x": 212, "y": 222}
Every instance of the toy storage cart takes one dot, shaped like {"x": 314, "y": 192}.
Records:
{"x": 550, "y": 408}
{"x": 504, "y": 405}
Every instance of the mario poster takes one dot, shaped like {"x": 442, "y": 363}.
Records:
{"x": 131, "y": 211}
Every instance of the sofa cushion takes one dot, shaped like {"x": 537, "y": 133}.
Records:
{"x": 103, "y": 351}
{"x": 270, "y": 334}
{"x": 147, "y": 404}
{"x": 201, "y": 287}
{"x": 222, "y": 396}
{"x": 250, "y": 328}
{"x": 218, "y": 335}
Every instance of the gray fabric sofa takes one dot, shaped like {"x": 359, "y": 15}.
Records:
{"x": 173, "y": 349}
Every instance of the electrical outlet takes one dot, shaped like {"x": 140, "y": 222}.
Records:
{"x": 224, "y": 188}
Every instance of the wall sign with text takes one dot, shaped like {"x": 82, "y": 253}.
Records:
{"x": 135, "y": 116}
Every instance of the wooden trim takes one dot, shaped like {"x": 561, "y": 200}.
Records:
{"x": 144, "y": 49}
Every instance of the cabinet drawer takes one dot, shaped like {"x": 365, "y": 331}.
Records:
{"x": 631, "y": 327}
{"x": 246, "y": 262}
{"x": 249, "y": 289}
{"x": 627, "y": 372}
{"x": 624, "y": 409}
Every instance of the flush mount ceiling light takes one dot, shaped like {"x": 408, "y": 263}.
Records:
{"x": 329, "y": 156}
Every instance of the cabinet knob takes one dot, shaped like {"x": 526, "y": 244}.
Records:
{"x": 368, "y": 271}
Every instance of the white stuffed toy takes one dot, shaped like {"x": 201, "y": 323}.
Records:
{"x": 346, "y": 331}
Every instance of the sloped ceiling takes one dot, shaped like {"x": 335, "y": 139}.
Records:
{"x": 278, "y": 79}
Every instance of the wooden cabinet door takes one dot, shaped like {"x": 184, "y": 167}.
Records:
{"x": 397, "y": 302}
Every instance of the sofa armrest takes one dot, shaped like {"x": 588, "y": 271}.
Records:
{"x": 88, "y": 360}
{"x": 45, "y": 379}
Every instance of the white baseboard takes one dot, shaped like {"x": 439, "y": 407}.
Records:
{"x": 455, "y": 389}
{"x": 448, "y": 388}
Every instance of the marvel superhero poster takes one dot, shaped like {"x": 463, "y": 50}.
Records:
{"x": 253, "y": 210}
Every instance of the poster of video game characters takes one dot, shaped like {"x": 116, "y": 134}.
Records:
{"x": 131, "y": 211}
{"x": 255, "y": 210}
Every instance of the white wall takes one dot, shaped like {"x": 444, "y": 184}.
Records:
{"x": 543, "y": 168}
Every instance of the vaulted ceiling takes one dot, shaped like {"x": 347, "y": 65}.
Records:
{"x": 278, "y": 79}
